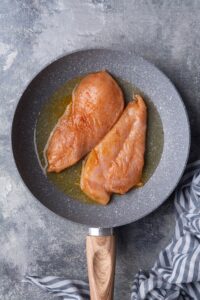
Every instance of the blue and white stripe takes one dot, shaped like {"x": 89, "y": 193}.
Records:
{"x": 60, "y": 287}
{"x": 176, "y": 273}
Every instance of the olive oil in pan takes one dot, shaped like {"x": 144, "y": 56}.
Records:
{"x": 68, "y": 181}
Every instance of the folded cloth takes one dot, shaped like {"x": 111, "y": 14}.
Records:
{"x": 60, "y": 287}
{"x": 176, "y": 273}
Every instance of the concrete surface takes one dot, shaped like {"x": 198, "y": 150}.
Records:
{"x": 32, "y": 239}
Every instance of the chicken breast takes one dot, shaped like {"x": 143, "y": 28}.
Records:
{"x": 115, "y": 165}
{"x": 97, "y": 103}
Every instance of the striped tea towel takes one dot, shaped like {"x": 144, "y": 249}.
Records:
{"x": 176, "y": 273}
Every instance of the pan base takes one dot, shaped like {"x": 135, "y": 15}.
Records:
{"x": 68, "y": 181}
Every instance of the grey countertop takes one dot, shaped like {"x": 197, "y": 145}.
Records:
{"x": 32, "y": 33}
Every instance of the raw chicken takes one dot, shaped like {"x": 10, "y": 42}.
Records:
{"x": 115, "y": 165}
{"x": 97, "y": 103}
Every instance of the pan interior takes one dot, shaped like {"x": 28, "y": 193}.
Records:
{"x": 68, "y": 181}
{"x": 154, "y": 85}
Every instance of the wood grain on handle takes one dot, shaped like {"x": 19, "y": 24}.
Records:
{"x": 101, "y": 266}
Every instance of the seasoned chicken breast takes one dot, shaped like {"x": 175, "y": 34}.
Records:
{"x": 115, "y": 165}
{"x": 97, "y": 103}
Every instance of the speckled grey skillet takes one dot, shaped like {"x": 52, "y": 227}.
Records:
{"x": 137, "y": 203}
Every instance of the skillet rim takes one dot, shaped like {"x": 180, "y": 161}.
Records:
{"x": 37, "y": 73}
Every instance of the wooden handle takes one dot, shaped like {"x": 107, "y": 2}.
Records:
{"x": 101, "y": 266}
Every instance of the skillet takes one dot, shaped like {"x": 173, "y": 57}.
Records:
{"x": 122, "y": 209}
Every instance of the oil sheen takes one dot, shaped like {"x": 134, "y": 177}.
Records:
{"x": 68, "y": 181}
